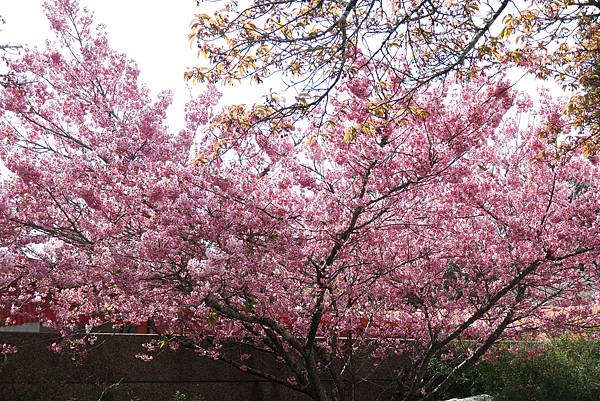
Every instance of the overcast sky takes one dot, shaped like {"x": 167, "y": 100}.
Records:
{"x": 153, "y": 33}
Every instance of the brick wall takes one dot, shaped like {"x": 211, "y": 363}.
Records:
{"x": 35, "y": 368}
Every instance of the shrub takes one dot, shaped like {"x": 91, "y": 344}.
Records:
{"x": 565, "y": 369}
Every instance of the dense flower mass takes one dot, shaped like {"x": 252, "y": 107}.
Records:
{"x": 390, "y": 227}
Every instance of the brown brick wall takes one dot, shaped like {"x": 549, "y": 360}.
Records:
{"x": 34, "y": 368}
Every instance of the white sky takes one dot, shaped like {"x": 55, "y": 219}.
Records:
{"x": 153, "y": 33}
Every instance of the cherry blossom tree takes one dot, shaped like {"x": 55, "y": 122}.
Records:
{"x": 430, "y": 229}
{"x": 313, "y": 45}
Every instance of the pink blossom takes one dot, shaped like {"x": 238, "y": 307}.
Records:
{"x": 7, "y": 349}
{"x": 144, "y": 357}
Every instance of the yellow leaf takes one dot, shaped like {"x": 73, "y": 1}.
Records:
{"x": 367, "y": 128}
{"x": 350, "y": 134}
{"x": 314, "y": 31}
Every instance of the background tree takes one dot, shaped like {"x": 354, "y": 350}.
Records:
{"x": 391, "y": 232}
